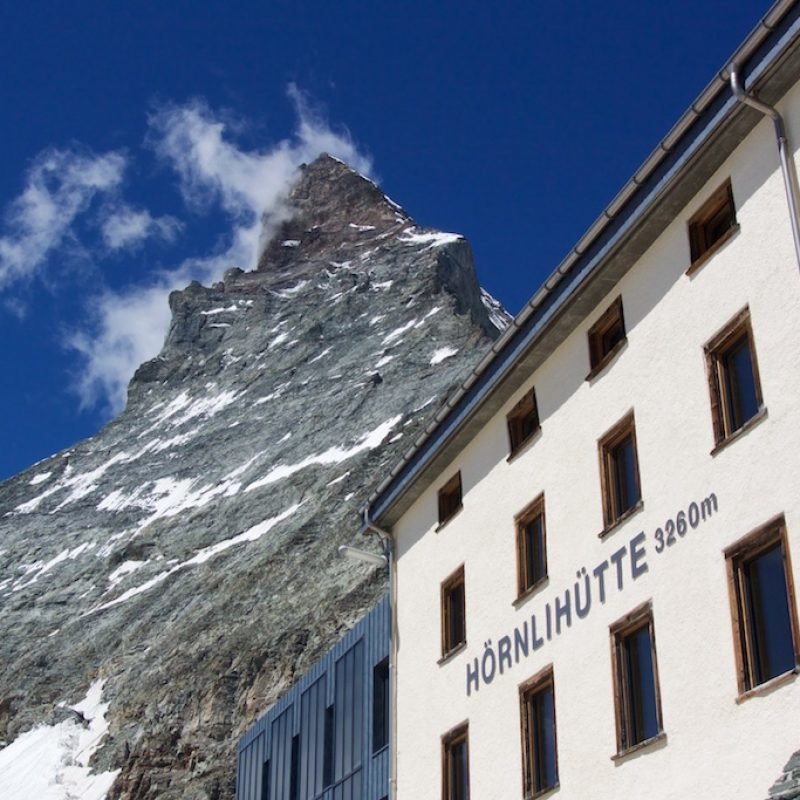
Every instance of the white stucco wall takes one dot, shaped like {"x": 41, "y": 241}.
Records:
{"x": 714, "y": 745}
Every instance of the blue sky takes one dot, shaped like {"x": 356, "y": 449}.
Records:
{"x": 142, "y": 141}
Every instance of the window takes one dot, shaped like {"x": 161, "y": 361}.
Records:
{"x": 328, "y": 749}
{"x": 450, "y": 498}
{"x": 265, "y": 775}
{"x": 455, "y": 764}
{"x": 531, "y": 550}
{"x": 294, "y": 776}
{"x": 539, "y": 754}
{"x": 762, "y": 600}
{"x": 454, "y": 622}
{"x": 733, "y": 377}
{"x": 636, "y": 695}
{"x": 380, "y": 706}
{"x": 712, "y": 225}
{"x": 619, "y": 471}
{"x": 523, "y": 421}
{"x": 606, "y": 337}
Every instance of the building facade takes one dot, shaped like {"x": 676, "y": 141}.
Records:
{"x": 327, "y": 738}
{"x": 596, "y": 546}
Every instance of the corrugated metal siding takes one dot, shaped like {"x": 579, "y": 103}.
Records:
{"x": 349, "y": 712}
{"x": 343, "y": 678}
{"x": 312, "y": 739}
{"x": 281, "y": 756}
{"x": 249, "y": 771}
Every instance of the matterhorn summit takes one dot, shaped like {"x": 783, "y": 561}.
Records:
{"x": 164, "y": 581}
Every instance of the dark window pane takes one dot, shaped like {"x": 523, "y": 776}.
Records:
{"x": 612, "y": 337}
{"x": 528, "y": 426}
{"x": 768, "y": 605}
{"x": 450, "y": 498}
{"x": 459, "y": 771}
{"x": 294, "y": 777}
{"x": 716, "y": 217}
{"x": 626, "y": 484}
{"x": 718, "y": 225}
{"x": 643, "y": 712}
{"x": 740, "y": 386}
{"x": 457, "y": 631}
{"x": 380, "y": 706}
{"x": 534, "y": 551}
{"x": 265, "y": 775}
{"x": 327, "y": 756}
{"x": 544, "y": 740}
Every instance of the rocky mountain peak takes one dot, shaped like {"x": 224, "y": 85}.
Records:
{"x": 334, "y": 211}
{"x": 164, "y": 581}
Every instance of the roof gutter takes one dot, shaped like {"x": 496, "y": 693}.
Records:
{"x": 600, "y": 239}
{"x": 784, "y": 151}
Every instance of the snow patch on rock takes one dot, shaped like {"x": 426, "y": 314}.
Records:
{"x": 435, "y": 239}
{"x": 333, "y": 455}
{"x": 441, "y": 354}
{"x": 51, "y": 762}
{"x": 250, "y": 535}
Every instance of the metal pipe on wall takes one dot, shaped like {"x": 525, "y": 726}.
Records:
{"x": 784, "y": 151}
{"x": 388, "y": 550}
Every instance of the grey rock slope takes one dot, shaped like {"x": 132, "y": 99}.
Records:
{"x": 186, "y": 554}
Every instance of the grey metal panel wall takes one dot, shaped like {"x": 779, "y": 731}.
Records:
{"x": 349, "y": 712}
{"x": 376, "y": 778}
{"x": 281, "y": 756}
{"x": 249, "y": 771}
{"x": 349, "y": 789}
{"x": 342, "y": 677}
{"x": 312, "y": 738}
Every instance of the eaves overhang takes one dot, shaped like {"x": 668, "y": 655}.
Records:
{"x": 707, "y": 133}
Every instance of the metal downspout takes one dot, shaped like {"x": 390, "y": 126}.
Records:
{"x": 784, "y": 151}
{"x": 388, "y": 549}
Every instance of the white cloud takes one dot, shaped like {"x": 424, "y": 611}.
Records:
{"x": 212, "y": 168}
{"x": 59, "y": 185}
{"x": 125, "y": 227}
{"x": 128, "y": 327}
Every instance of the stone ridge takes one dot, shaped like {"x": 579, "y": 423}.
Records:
{"x": 186, "y": 553}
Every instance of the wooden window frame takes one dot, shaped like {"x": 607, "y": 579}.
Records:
{"x": 542, "y": 681}
{"x": 622, "y": 629}
{"x": 525, "y": 410}
{"x": 453, "y": 737}
{"x": 715, "y": 351}
{"x": 451, "y": 582}
{"x": 701, "y": 244}
{"x": 606, "y": 446}
{"x": 450, "y": 499}
{"x": 599, "y": 353}
{"x": 737, "y": 556}
{"x": 526, "y": 585}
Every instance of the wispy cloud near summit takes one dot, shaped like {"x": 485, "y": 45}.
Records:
{"x": 60, "y": 185}
{"x": 125, "y": 227}
{"x": 214, "y": 174}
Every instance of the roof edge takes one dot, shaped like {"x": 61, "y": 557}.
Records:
{"x": 637, "y": 195}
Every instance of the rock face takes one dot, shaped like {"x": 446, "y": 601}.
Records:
{"x": 186, "y": 554}
{"x": 787, "y": 787}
